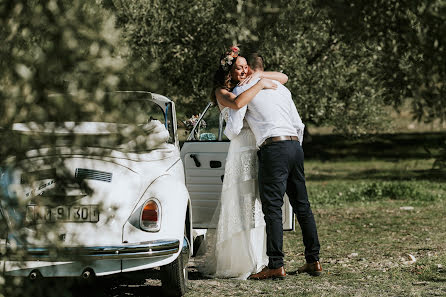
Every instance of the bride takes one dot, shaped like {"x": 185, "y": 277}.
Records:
{"x": 237, "y": 247}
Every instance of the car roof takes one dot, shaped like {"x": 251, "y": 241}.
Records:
{"x": 155, "y": 96}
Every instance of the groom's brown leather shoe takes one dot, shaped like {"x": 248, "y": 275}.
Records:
{"x": 266, "y": 273}
{"x": 314, "y": 268}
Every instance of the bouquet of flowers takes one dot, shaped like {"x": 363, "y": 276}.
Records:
{"x": 192, "y": 121}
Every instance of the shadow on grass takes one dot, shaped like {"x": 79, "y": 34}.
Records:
{"x": 376, "y": 146}
{"x": 384, "y": 175}
{"x": 116, "y": 286}
{"x": 116, "y": 289}
{"x": 195, "y": 275}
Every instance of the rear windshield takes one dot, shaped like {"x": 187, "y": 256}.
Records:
{"x": 127, "y": 118}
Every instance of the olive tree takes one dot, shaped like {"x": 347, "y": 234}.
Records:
{"x": 332, "y": 81}
{"x": 50, "y": 47}
{"x": 411, "y": 39}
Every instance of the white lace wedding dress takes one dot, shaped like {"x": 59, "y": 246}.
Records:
{"x": 237, "y": 247}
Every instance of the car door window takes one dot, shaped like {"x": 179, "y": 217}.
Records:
{"x": 208, "y": 126}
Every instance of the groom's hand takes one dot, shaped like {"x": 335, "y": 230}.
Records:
{"x": 267, "y": 83}
{"x": 252, "y": 76}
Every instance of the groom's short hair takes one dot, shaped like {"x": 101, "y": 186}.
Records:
{"x": 255, "y": 61}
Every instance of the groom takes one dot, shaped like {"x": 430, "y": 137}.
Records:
{"x": 278, "y": 129}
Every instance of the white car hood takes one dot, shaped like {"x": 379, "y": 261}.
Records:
{"x": 118, "y": 182}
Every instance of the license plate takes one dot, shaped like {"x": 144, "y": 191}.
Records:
{"x": 63, "y": 213}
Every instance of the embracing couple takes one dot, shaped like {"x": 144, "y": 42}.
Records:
{"x": 265, "y": 160}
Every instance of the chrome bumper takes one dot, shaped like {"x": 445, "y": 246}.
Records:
{"x": 126, "y": 251}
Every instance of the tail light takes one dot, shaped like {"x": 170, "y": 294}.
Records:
{"x": 151, "y": 216}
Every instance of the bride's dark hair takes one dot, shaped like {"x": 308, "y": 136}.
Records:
{"x": 222, "y": 77}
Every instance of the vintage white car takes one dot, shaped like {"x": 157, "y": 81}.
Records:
{"x": 119, "y": 205}
{"x": 115, "y": 206}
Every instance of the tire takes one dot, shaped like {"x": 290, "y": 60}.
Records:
{"x": 197, "y": 243}
{"x": 174, "y": 278}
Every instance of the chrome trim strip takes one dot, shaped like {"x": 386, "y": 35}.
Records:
{"x": 185, "y": 251}
{"x": 146, "y": 249}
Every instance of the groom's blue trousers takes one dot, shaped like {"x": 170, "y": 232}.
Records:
{"x": 281, "y": 169}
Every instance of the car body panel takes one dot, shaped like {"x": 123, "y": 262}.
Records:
{"x": 204, "y": 183}
{"x": 117, "y": 183}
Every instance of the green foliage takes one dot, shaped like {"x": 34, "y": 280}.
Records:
{"x": 411, "y": 37}
{"x": 345, "y": 59}
{"x": 52, "y": 46}
{"x": 178, "y": 42}
{"x": 56, "y": 47}
{"x": 333, "y": 83}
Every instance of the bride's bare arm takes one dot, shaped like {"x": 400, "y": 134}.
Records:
{"x": 225, "y": 98}
{"x": 228, "y": 99}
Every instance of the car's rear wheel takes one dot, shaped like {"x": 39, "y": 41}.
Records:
{"x": 197, "y": 243}
{"x": 174, "y": 278}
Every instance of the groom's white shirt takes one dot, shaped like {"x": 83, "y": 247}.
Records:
{"x": 271, "y": 113}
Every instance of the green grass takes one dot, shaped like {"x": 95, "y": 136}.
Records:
{"x": 371, "y": 215}
{"x": 338, "y": 183}
{"x": 341, "y": 193}
{"x": 365, "y": 249}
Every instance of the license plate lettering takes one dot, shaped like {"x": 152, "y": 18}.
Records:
{"x": 85, "y": 213}
{"x": 73, "y": 213}
{"x": 62, "y": 213}
{"x": 42, "y": 213}
{"x": 94, "y": 213}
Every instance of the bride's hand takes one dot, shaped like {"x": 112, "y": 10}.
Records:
{"x": 253, "y": 76}
{"x": 267, "y": 83}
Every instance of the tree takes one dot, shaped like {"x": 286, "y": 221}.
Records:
{"x": 55, "y": 46}
{"x": 412, "y": 38}
{"x": 333, "y": 82}
{"x": 178, "y": 41}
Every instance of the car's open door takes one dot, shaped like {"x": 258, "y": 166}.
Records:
{"x": 204, "y": 156}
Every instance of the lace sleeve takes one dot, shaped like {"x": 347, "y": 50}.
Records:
{"x": 225, "y": 113}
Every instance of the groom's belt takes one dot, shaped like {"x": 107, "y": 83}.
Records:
{"x": 279, "y": 138}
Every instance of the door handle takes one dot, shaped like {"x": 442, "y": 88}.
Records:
{"x": 215, "y": 164}
{"x": 222, "y": 177}
{"x": 197, "y": 163}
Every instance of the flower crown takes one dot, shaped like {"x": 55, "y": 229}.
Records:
{"x": 228, "y": 57}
